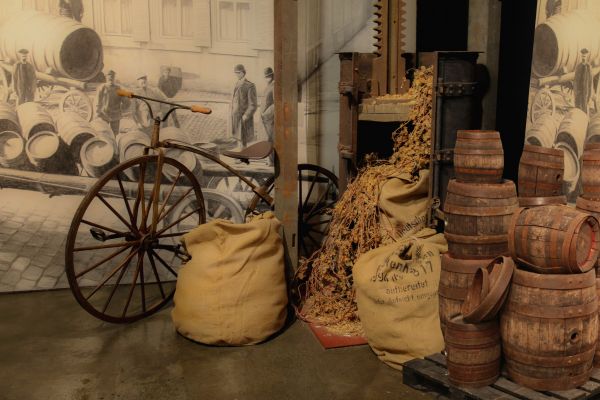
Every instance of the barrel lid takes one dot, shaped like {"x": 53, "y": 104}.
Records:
{"x": 481, "y": 305}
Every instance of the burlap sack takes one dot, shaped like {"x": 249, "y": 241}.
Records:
{"x": 403, "y": 204}
{"x": 396, "y": 292}
{"x": 233, "y": 291}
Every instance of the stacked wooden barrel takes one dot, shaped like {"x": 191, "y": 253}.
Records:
{"x": 541, "y": 174}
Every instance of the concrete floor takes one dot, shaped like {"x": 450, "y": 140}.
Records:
{"x": 50, "y": 348}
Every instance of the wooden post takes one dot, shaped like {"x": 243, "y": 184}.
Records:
{"x": 286, "y": 123}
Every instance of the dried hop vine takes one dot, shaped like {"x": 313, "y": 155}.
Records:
{"x": 324, "y": 280}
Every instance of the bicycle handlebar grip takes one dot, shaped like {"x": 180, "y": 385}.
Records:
{"x": 124, "y": 93}
{"x": 200, "y": 109}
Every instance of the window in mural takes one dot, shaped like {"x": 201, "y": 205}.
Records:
{"x": 177, "y": 18}
{"x": 116, "y": 16}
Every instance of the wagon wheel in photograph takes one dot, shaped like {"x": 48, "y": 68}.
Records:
{"x": 43, "y": 91}
{"x": 543, "y": 103}
{"x": 317, "y": 195}
{"x": 235, "y": 187}
{"x": 216, "y": 204}
{"x": 4, "y": 85}
{"x": 123, "y": 254}
{"x": 77, "y": 101}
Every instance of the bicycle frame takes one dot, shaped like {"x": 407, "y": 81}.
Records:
{"x": 157, "y": 145}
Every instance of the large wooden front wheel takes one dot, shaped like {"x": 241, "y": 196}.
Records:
{"x": 317, "y": 195}
{"x": 123, "y": 251}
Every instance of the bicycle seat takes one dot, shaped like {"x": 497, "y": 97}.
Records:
{"x": 255, "y": 152}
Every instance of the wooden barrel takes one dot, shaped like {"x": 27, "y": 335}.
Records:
{"x": 189, "y": 160}
{"x": 455, "y": 278}
{"x": 478, "y": 156}
{"x": 34, "y": 118}
{"x": 48, "y": 153}
{"x": 597, "y": 353}
{"x": 477, "y": 217}
{"x": 549, "y": 329}
{"x": 12, "y": 150}
{"x": 593, "y": 129}
{"x": 57, "y": 43}
{"x": 554, "y": 239}
{"x": 74, "y": 131}
{"x": 541, "y": 172}
{"x": 8, "y": 118}
{"x": 541, "y": 201}
{"x": 474, "y": 352}
{"x": 570, "y": 139}
{"x": 590, "y": 172}
{"x": 559, "y": 40}
{"x": 102, "y": 128}
{"x": 591, "y": 207}
{"x": 543, "y": 132}
{"x": 131, "y": 144}
{"x": 98, "y": 155}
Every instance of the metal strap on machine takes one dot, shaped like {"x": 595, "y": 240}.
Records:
{"x": 454, "y": 89}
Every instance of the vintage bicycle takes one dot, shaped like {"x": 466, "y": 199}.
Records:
{"x": 123, "y": 249}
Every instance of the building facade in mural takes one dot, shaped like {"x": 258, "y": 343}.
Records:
{"x": 564, "y": 95}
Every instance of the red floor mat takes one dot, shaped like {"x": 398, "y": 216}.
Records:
{"x": 330, "y": 340}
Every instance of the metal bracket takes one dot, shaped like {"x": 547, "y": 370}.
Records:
{"x": 444, "y": 155}
{"x": 454, "y": 89}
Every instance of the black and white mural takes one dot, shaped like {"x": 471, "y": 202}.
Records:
{"x": 564, "y": 95}
{"x": 62, "y": 126}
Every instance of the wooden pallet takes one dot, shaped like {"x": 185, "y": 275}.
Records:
{"x": 431, "y": 374}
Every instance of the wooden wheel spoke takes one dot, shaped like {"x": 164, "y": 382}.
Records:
{"x": 310, "y": 189}
{"x": 319, "y": 210}
{"x": 219, "y": 211}
{"x": 173, "y": 234}
{"x": 320, "y": 222}
{"x": 312, "y": 239}
{"x": 123, "y": 265}
{"x": 111, "y": 208}
{"x": 304, "y": 246}
{"x": 163, "y": 262}
{"x": 143, "y": 289}
{"x": 140, "y": 193}
{"x": 172, "y": 224}
{"x": 104, "y": 228}
{"x": 187, "y": 192}
{"x": 153, "y": 264}
{"x": 321, "y": 199}
{"x": 139, "y": 265}
{"x": 114, "y": 289}
{"x": 99, "y": 263}
{"x": 170, "y": 192}
{"x": 124, "y": 197}
{"x": 106, "y": 246}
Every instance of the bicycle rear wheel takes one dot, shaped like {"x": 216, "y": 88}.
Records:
{"x": 122, "y": 254}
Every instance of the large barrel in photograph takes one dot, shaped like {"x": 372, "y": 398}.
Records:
{"x": 189, "y": 160}
{"x": 554, "y": 239}
{"x": 478, "y": 156}
{"x": 48, "y": 153}
{"x": 8, "y": 118}
{"x": 559, "y": 40}
{"x": 102, "y": 128}
{"x": 474, "y": 352}
{"x": 549, "y": 329}
{"x": 12, "y": 150}
{"x": 542, "y": 132}
{"x": 571, "y": 139}
{"x": 55, "y": 43}
{"x": 98, "y": 155}
{"x": 74, "y": 131}
{"x": 455, "y": 278}
{"x": 593, "y": 129}
{"x": 477, "y": 218}
{"x": 590, "y": 172}
{"x": 131, "y": 144}
{"x": 34, "y": 118}
{"x": 541, "y": 172}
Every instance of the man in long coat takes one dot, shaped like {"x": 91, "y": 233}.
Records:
{"x": 582, "y": 83}
{"x": 109, "y": 105}
{"x": 24, "y": 79}
{"x": 243, "y": 107}
{"x": 267, "y": 109}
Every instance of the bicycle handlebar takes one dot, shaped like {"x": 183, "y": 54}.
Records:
{"x": 193, "y": 108}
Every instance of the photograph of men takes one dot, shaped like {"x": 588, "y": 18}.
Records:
{"x": 267, "y": 109}
{"x": 168, "y": 84}
{"x": 141, "y": 115}
{"x": 243, "y": 107}
{"x": 24, "y": 80}
{"x": 582, "y": 83}
{"x": 109, "y": 105}
{"x": 71, "y": 9}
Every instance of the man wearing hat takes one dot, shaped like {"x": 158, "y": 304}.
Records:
{"x": 243, "y": 107}
{"x": 109, "y": 105}
{"x": 582, "y": 83}
{"x": 24, "y": 79}
{"x": 167, "y": 83}
{"x": 141, "y": 116}
{"x": 267, "y": 109}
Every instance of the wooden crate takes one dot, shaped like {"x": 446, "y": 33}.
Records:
{"x": 430, "y": 374}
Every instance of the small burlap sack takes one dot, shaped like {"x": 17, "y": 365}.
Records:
{"x": 233, "y": 291}
{"x": 396, "y": 293}
{"x": 403, "y": 204}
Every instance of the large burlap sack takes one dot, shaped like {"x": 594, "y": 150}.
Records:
{"x": 403, "y": 204}
{"x": 396, "y": 293}
{"x": 233, "y": 291}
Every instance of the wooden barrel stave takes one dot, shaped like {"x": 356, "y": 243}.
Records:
{"x": 477, "y": 218}
{"x": 554, "y": 239}
{"x": 34, "y": 118}
{"x": 74, "y": 131}
{"x": 478, "y": 156}
{"x": 550, "y": 352}
{"x": 541, "y": 172}
{"x": 474, "y": 352}
{"x": 590, "y": 172}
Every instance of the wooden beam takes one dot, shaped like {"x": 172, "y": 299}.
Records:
{"x": 286, "y": 123}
